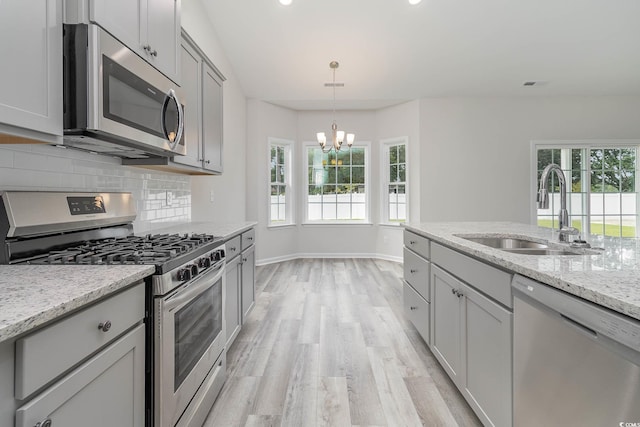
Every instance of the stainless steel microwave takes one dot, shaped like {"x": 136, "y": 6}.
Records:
{"x": 115, "y": 103}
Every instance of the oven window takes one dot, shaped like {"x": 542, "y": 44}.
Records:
{"x": 196, "y": 326}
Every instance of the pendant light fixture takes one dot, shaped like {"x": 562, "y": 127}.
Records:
{"x": 337, "y": 136}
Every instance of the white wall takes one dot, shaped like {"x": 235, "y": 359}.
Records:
{"x": 276, "y": 243}
{"x": 475, "y": 153}
{"x": 229, "y": 198}
{"x": 267, "y": 120}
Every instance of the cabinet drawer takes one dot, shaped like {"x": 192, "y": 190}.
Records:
{"x": 233, "y": 247}
{"x": 248, "y": 238}
{"x": 416, "y": 243}
{"x": 51, "y": 351}
{"x": 416, "y": 272}
{"x": 417, "y": 310}
{"x": 487, "y": 279}
{"x": 107, "y": 390}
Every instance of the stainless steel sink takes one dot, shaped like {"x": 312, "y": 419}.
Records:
{"x": 521, "y": 246}
{"x": 540, "y": 251}
{"x": 507, "y": 242}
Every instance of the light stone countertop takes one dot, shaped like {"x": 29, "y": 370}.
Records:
{"x": 34, "y": 295}
{"x": 610, "y": 278}
{"x": 224, "y": 230}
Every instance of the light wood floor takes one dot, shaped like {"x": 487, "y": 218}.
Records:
{"x": 328, "y": 344}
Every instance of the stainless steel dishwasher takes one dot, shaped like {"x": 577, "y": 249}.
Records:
{"x": 574, "y": 363}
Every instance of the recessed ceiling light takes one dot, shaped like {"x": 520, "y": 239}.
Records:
{"x": 285, "y": 2}
{"x": 530, "y": 83}
{"x": 414, "y": 1}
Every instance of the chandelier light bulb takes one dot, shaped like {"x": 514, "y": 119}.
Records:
{"x": 414, "y": 2}
{"x": 287, "y": 2}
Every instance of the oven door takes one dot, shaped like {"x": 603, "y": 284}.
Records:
{"x": 189, "y": 338}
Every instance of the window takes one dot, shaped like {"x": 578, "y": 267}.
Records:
{"x": 602, "y": 182}
{"x": 280, "y": 192}
{"x": 394, "y": 187}
{"x": 337, "y": 184}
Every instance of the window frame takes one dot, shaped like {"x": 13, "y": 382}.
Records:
{"x": 288, "y": 182}
{"x": 367, "y": 187}
{"x": 580, "y": 144}
{"x": 386, "y": 179}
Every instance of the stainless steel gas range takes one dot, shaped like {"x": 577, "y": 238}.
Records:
{"x": 185, "y": 323}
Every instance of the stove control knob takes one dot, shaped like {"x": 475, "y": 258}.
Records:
{"x": 194, "y": 270}
{"x": 204, "y": 262}
{"x": 218, "y": 255}
{"x": 184, "y": 274}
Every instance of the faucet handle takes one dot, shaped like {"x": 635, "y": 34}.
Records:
{"x": 570, "y": 230}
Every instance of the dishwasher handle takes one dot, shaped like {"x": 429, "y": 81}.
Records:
{"x": 593, "y": 319}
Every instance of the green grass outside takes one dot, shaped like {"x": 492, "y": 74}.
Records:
{"x": 596, "y": 228}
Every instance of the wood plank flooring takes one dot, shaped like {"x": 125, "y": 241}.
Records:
{"x": 328, "y": 344}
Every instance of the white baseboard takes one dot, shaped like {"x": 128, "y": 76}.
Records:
{"x": 291, "y": 257}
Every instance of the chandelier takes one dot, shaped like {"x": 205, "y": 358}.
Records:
{"x": 337, "y": 136}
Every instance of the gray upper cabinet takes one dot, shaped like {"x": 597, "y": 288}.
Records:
{"x": 202, "y": 85}
{"x": 31, "y": 76}
{"x": 151, "y": 28}
{"x": 212, "y": 119}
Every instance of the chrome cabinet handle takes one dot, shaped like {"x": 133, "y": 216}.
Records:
{"x": 154, "y": 53}
{"x": 412, "y": 242}
{"x": 244, "y": 259}
{"x": 412, "y": 271}
{"x": 232, "y": 248}
{"x": 104, "y": 327}
{"x": 45, "y": 423}
{"x": 208, "y": 161}
{"x": 453, "y": 291}
{"x": 146, "y": 47}
{"x": 413, "y": 308}
{"x": 459, "y": 294}
{"x": 249, "y": 238}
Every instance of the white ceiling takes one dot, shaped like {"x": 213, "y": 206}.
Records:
{"x": 390, "y": 51}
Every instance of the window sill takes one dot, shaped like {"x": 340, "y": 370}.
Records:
{"x": 287, "y": 225}
{"x": 393, "y": 224}
{"x": 337, "y": 223}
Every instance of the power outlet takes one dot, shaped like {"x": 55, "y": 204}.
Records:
{"x": 169, "y": 198}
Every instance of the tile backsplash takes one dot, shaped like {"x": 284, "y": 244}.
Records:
{"x": 160, "y": 197}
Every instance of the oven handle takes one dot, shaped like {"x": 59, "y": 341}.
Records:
{"x": 193, "y": 289}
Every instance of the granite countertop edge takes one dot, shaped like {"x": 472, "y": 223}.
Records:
{"x": 29, "y": 300}
{"x": 618, "y": 290}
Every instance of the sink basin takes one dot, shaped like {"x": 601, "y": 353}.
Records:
{"x": 539, "y": 251}
{"x": 507, "y": 243}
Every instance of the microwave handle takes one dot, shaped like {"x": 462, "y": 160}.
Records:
{"x": 171, "y": 95}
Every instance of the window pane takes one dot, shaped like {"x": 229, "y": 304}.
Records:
{"x": 402, "y": 173}
{"x": 596, "y": 159}
{"x": 344, "y": 211}
{"x": 393, "y": 173}
{"x": 401, "y": 156}
{"x": 314, "y": 211}
{"x": 357, "y": 156}
{"x": 329, "y": 211}
{"x": 628, "y": 182}
{"x": 357, "y": 175}
{"x": 393, "y": 154}
{"x": 331, "y": 174}
{"x": 344, "y": 158}
{"x": 576, "y": 160}
{"x": 344, "y": 175}
{"x": 273, "y": 156}
{"x": 597, "y": 184}
{"x": 358, "y": 211}
{"x": 629, "y": 204}
{"x": 281, "y": 155}
{"x": 402, "y": 212}
{"x": 274, "y": 212}
{"x": 282, "y": 212}
{"x": 612, "y": 226}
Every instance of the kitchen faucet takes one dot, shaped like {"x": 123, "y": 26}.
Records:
{"x": 543, "y": 201}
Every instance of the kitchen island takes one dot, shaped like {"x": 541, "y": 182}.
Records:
{"x": 463, "y": 291}
{"x": 610, "y": 278}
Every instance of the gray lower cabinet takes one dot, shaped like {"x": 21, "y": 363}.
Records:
{"x": 471, "y": 338}
{"x": 240, "y": 282}
{"x": 86, "y": 369}
{"x": 233, "y": 305}
{"x": 31, "y": 80}
{"x": 248, "y": 281}
{"x": 106, "y": 391}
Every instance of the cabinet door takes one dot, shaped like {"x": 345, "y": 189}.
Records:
{"x": 487, "y": 350}
{"x": 212, "y": 119}
{"x": 31, "y": 75}
{"x": 446, "y": 322}
{"x": 106, "y": 391}
{"x": 190, "y": 65}
{"x": 123, "y": 19}
{"x": 163, "y": 35}
{"x": 233, "y": 305}
{"x": 248, "y": 281}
